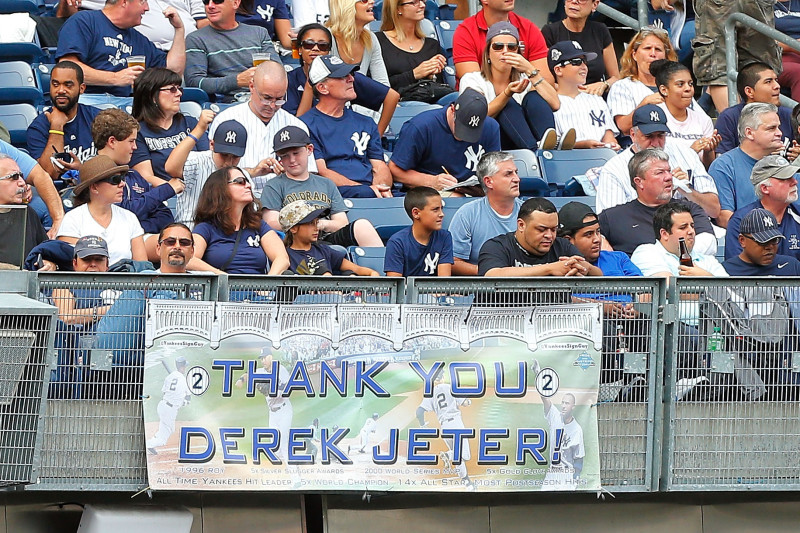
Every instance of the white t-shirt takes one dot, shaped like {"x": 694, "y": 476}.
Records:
{"x": 308, "y": 11}
{"x": 259, "y": 137}
{"x": 475, "y": 80}
{"x": 123, "y": 228}
{"x": 587, "y": 113}
{"x": 696, "y": 126}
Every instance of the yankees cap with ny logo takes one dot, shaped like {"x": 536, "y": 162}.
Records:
{"x": 649, "y": 119}
{"x": 230, "y": 138}
{"x": 290, "y": 137}
{"x": 761, "y": 225}
{"x": 471, "y": 109}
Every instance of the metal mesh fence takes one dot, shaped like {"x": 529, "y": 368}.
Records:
{"x": 630, "y": 372}
{"x": 25, "y": 334}
{"x": 733, "y": 383}
{"x": 312, "y": 289}
{"x": 93, "y": 435}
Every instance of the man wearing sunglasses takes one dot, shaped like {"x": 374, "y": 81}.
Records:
{"x": 13, "y": 192}
{"x": 175, "y": 248}
{"x": 101, "y": 42}
{"x": 219, "y": 57}
{"x": 775, "y": 183}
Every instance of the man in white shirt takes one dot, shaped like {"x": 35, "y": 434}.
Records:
{"x": 263, "y": 117}
{"x": 649, "y": 130}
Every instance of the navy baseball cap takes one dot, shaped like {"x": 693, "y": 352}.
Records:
{"x": 90, "y": 245}
{"x": 290, "y": 137}
{"x": 230, "y": 138}
{"x": 564, "y": 51}
{"x": 328, "y": 67}
{"x": 471, "y": 109}
{"x": 649, "y": 119}
{"x": 761, "y": 225}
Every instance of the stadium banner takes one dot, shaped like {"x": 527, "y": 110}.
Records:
{"x": 241, "y": 396}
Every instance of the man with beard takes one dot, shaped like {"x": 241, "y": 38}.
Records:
{"x": 776, "y": 189}
{"x": 67, "y": 126}
{"x": 175, "y": 248}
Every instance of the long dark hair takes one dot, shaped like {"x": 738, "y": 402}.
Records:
{"x": 246, "y": 8}
{"x": 215, "y": 203}
{"x": 146, "y": 89}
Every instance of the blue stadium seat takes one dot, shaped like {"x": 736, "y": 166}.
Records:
{"x": 20, "y": 6}
{"x": 530, "y": 175}
{"x": 404, "y": 112}
{"x": 560, "y": 201}
{"x": 17, "y": 118}
{"x": 194, "y": 94}
{"x": 446, "y": 29}
{"x": 375, "y": 25}
{"x": 386, "y": 214}
{"x": 451, "y": 205}
{"x": 558, "y": 166}
{"x": 428, "y": 28}
{"x": 449, "y": 74}
{"x": 432, "y": 10}
{"x": 193, "y": 109}
{"x": 42, "y": 71}
{"x": 368, "y": 257}
{"x": 27, "y": 52}
{"x": 18, "y": 84}
{"x": 217, "y": 107}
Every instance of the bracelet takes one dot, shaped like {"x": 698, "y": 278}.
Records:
{"x": 94, "y": 314}
{"x": 532, "y": 74}
{"x": 505, "y": 93}
{"x": 56, "y": 132}
{"x": 607, "y": 85}
{"x": 195, "y": 139}
{"x": 538, "y": 82}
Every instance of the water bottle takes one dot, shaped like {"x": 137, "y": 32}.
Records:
{"x": 716, "y": 342}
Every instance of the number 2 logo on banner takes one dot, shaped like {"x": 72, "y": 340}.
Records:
{"x": 198, "y": 380}
{"x": 547, "y": 382}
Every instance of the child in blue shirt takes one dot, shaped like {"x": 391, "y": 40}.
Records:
{"x": 424, "y": 248}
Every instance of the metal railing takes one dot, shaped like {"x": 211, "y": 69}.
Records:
{"x": 622, "y": 18}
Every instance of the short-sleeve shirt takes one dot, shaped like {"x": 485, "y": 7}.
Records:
{"x": 504, "y": 251}
{"x": 406, "y": 256}
{"x": 25, "y": 162}
{"x": 155, "y": 146}
{"x": 369, "y": 93}
{"x": 98, "y": 43}
{"x": 653, "y": 258}
{"x": 782, "y": 265}
{"x": 630, "y": 225}
{"x": 731, "y": 172}
{"x": 595, "y": 37}
{"x": 696, "y": 126}
{"x": 789, "y": 228}
{"x": 322, "y": 192}
{"x": 571, "y": 444}
{"x": 317, "y": 261}
{"x": 196, "y": 170}
{"x": 77, "y": 134}
{"x": 469, "y": 39}
{"x": 426, "y": 144}
{"x": 616, "y": 264}
{"x": 123, "y": 228}
{"x": 587, "y": 113}
{"x": 728, "y": 123}
{"x": 264, "y": 14}
{"x": 475, "y": 223}
{"x": 250, "y": 257}
{"x": 346, "y": 143}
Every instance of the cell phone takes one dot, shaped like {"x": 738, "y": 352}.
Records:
{"x": 63, "y": 156}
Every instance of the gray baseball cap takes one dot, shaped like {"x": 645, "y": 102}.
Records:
{"x": 90, "y": 245}
{"x": 772, "y": 166}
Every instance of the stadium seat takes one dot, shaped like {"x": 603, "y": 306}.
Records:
{"x": 193, "y": 94}
{"x": 386, "y": 214}
{"x": 560, "y": 201}
{"x": 432, "y": 10}
{"x": 530, "y": 175}
{"x": 559, "y": 166}
{"x": 449, "y": 74}
{"x": 20, "y": 6}
{"x": 368, "y": 257}
{"x": 428, "y": 28}
{"x": 451, "y": 205}
{"x": 404, "y": 112}
{"x": 18, "y": 84}
{"x": 446, "y": 29}
{"x": 28, "y": 52}
{"x": 42, "y": 71}
{"x": 375, "y": 25}
{"x": 193, "y": 109}
{"x": 17, "y": 118}
{"x": 217, "y": 107}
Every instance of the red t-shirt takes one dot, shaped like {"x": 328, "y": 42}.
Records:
{"x": 469, "y": 38}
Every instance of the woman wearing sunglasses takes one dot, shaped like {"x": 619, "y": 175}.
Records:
{"x": 353, "y": 42}
{"x": 519, "y": 98}
{"x": 162, "y": 126}
{"x": 229, "y": 234}
{"x": 593, "y": 36}
{"x": 409, "y": 56}
{"x": 638, "y": 85}
{"x": 101, "y": 187}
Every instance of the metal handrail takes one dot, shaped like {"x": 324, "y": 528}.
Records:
{"x": 622, "y": 18}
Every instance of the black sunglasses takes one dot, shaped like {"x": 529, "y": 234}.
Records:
{"x": 170, "y": 241}
{"x": 238, "y": 181}
{"x": 575, "y": 62}
{"x": 173, "y": 89}
{"x": 13, "y": 176}
{"x": 512, "y": 47}
{"x": 323, "y": 46}
{"x": 217, "y": 2}
{"x": 115, "y": 180}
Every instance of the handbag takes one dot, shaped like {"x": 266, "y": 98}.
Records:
{"x": 428, "y": 91}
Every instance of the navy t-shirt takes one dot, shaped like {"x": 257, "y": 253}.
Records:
{"x": 783, "y": 265}
{"x": 155, "y": 146}
{"x": 77, "y": 134}
{"x": 250, "y": 257}
{"x": 406, "y": 256}
{"x": 426, "y": 144}
{"x": 103, "y": 46}
{"x": 264, "y": 14}
{"x": 346, "y": 143}
{"x": 320, "y": 259}
{"x": 789, "y": 228}
{"x": 147, "y": 202}
{"x": 369, "y": 93}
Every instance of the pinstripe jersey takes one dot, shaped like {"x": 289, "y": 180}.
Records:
{"x": 199, "y": 165}
{"x": 259, "y": 138}
{"x": 587, "y": 113}
{"x": 614, "y": 184}
{"x": 625, "y": 95}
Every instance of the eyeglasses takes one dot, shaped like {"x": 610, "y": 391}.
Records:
{"x": 174, "y": 89}
{"x": 323, "y": 46}
{"x": 114, "y": 180}
{"x": 271, "y": 100}
{"x": 575, "y": 62}
{"x": 241, "y": 180}
{"x": 412, "y": 3}
{"x": 217, "y": 2}
{"x": 13, "y": 176}
{"x": 170, "y": 241}
{"x": 511, "y": 47}
{"x": 772, "y": 242}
